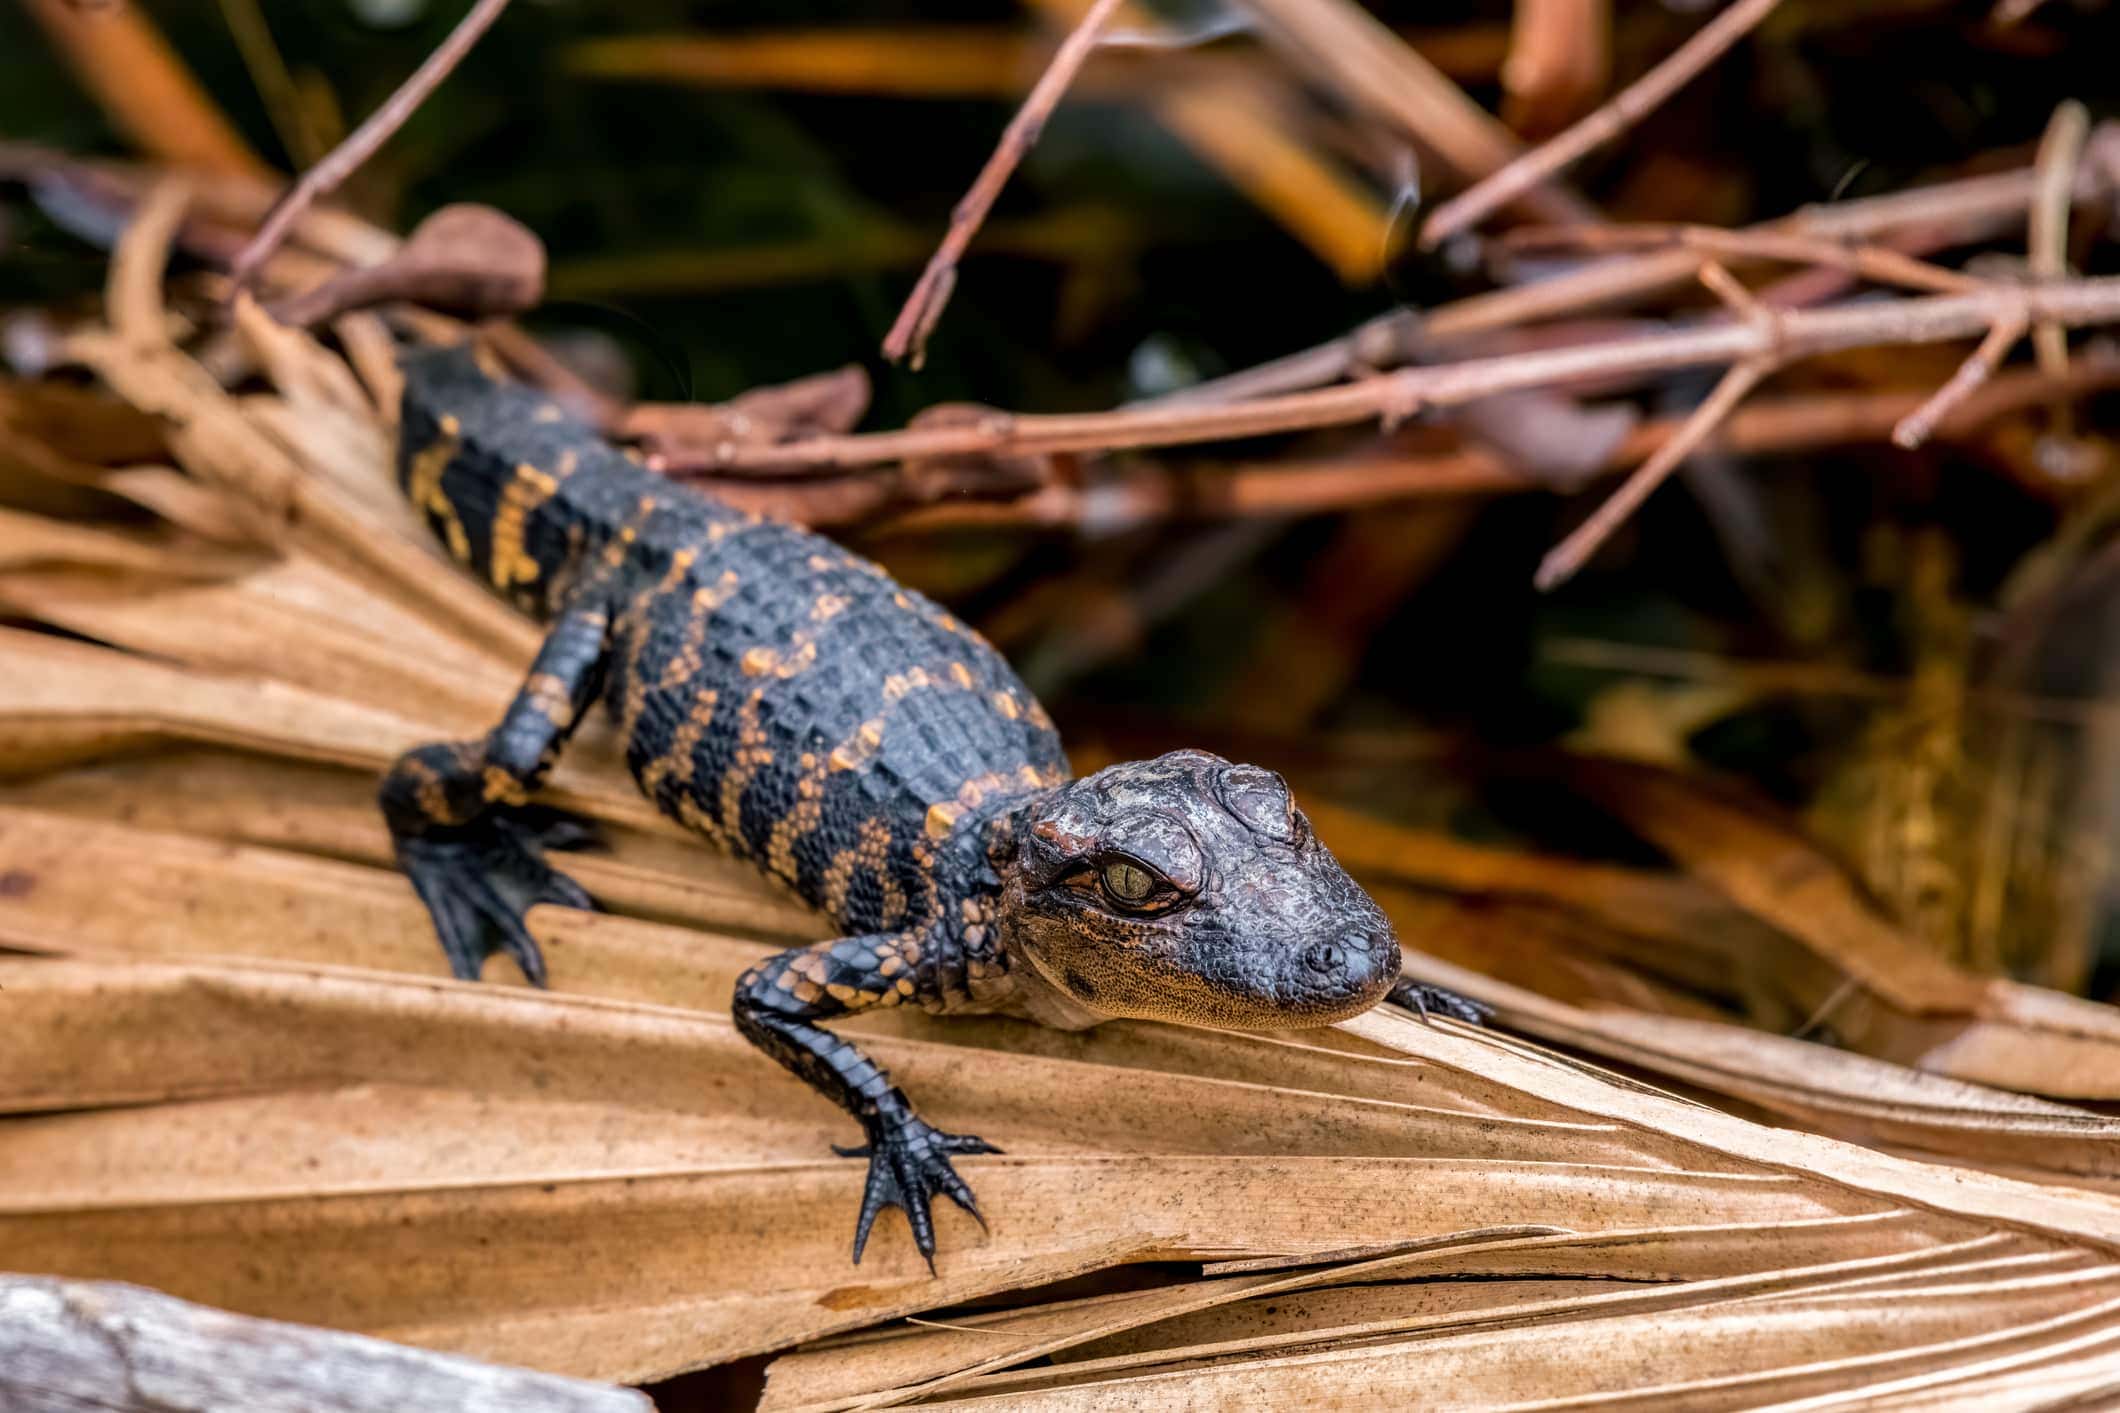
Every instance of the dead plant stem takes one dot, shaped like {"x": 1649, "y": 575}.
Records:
{"x": 1626, "y": 108}
{"x": 1796, "y": 334}
{"x": 1572, "y": 553}
{"x": 346, "y": 159}
{"x": 924, "y": 306}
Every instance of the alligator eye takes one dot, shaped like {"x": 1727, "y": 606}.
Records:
{"x": 1127, "y": 882}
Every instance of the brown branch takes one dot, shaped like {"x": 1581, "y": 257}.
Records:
{"x": 1565, "y": 558}
{"x": 1952, "y": 213}
{"x": 464, "y": 259}
{"x": 2046, "y": 235}
{"x": 346, "y": 159}
{"x": 1740, "y": 301}
{"x": 1978, "y": 367}
{"x": 1872, "y": 262}
{"x": 1930, "y": 218}
{"x": 677, "y": 437}
{"x": 1383, "y": 342}
{"x": 923, "y": 307}
{"x": 1626, "y": 108}
{"x": 847, "y": 499}
{"x": 1876, "y": 263}
{"x": 1798, "y": 334}
{"x": 1249, "y": 125}
{"x": 1147, "y": 492}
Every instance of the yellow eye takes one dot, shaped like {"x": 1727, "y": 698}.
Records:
{"x": 1127, "y": 882}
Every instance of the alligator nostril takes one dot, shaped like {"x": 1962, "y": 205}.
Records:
{"x": 1326, "y": 958}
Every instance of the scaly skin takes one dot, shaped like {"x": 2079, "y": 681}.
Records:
{"x": 790, "y": 701}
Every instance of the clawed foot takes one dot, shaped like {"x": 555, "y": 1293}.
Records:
{"x": 478, "y": 880}
{"x": 909, "y": 1163}
{"x": 1434, "y": 1000}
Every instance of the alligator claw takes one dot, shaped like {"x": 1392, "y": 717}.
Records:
{"x": 1435, "y": 1000}
{"x": 478, "y": 880}
{"x": 909, "y": 1163}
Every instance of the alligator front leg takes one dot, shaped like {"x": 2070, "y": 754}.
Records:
{"x": 457, "y": 815}
{"x": 777, "y": 1006}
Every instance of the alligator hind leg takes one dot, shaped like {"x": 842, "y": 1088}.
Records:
{"x": 457, "y": 811}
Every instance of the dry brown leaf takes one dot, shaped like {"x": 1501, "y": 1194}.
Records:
{"x": 437, "y": 1160}
{"x": 1651, "y": 941}
{"x": 261, "y": 626}
{"x": 1898, "y": 1000}
{"x": 1827, "y": 1090}
{"x": 305, "y": 374}
{"x": 74, "y": 701}
{"x": 1561, "y": 954}
{"x": 1620, "y": 1015}
{"x": 178, "y": 499}
{"x": 108, "y": 887}
{"x": 40, "y": 478}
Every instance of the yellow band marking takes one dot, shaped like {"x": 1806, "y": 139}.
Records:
{"x": 423, "y": 486}
{"x": 510, "y": 563}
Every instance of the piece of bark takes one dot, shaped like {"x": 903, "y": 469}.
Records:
{"x": 72, "y": 1345}
{"x": 866, "y": 494}
{"x": 690, "y": 436}
{"x": 465, "y": 259}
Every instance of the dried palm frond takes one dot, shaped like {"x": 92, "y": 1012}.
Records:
{"x": 235, "y": 1070}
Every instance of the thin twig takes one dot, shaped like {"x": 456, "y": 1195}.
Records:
{"x": 1725, "y": 287}
{"x": 346, "y": 159}
{"x": 1962, "y": 212}
{"x": 1152, "y": 491}
{"x": 2046, "y": 235}
{"x": 1877, "y": 263}
{"x": 1872, "y": 262}
{"x": 1798, "y": 334}
{"x": 1565, "y": 558}
{"x": 1627, "y": 107}
{"x": 1978, "y": 367}
{"x": 1385, "y": 341}
{"x": 923, "y": 307}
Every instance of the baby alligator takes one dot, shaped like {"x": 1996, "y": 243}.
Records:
{"x": 791, "y": 702}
